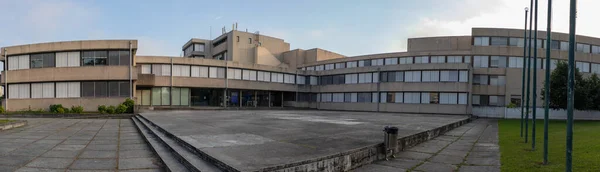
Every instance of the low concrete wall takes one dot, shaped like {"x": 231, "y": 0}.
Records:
{"x": 515, "y": 113}
{"x": 14, "y": 124}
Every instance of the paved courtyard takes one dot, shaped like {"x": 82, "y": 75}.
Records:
{"x": 256, "y": 139}
{"x": 472, "y": 147}
{"x": 76, "y": 145}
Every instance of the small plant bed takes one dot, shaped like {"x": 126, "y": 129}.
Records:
{"x": 4, "y": 121}
{"x": 121, "y": 111}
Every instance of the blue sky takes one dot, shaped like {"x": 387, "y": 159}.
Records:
{"x": 347, "y": 27}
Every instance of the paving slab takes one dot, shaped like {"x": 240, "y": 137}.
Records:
{"x": 253, "y": 140}
{"x": 48, "y": 144}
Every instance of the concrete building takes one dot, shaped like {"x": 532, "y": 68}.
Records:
{"x": 442, "y": 75}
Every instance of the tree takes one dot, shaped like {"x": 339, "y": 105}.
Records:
{"x": 593, "y": 87}
{"x": 558, "y": 88}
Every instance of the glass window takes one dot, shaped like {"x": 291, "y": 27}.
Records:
{"x": 481, "y": 61}
{"x": 329, "y": 66}
{"x": 406, "y": 60}
{"x": 515, "y": 62}
{"x": 101, "y": 89}
{"x": 481, "y": 41}
{"x": 431, "y": 76}
{"x": 165, "y": 96}
{"x": 364, "y": 97}
{"x": 555, "y": 45}
{"x": 462, "y": 98}
{"x": 399, "y": 97}
{"x": 467, "y": 59}
{"x": 340, "y": 65}
{"x": 363, "y": 63}
{"x": 480, "y": 79}
{"x": 449, "y": 76}
{"x": 351, "y": 64}
{"x": 87, "y": 89}
{"x": 583, "y": 48}
{"x": 422, "y": 59}
{"x": 42, "y": 60}
{"x": 519, "y": 42}
{"x": 499, "y": 41}
{"x": 583, "y": 66}
{"x": 199, "y": 47}
{"x": 455, "y": 59}
{"x": 497, "y": 80}
{"x": 412, "y": 98}
{"x": 376, "y": 62}
{"x": 320, "y": 67}
{"x": 564, "y": 46}
{"x": 412, "y": 76}
{"x": 438, "y": 59}
{"x": 498, "y": 62}
{"x": 464, "y": 76}
{"x": 391, "y": 61}
{"x": 351, "y": 78}
{"x": 595, "y": 49}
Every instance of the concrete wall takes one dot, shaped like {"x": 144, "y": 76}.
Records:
{"x": 455, "y": 43}
{"x": 88, "y": 104}
{"x": 68, "y": 46}
{"x": 515, "y": 113}
{"x": 84, "y": 73}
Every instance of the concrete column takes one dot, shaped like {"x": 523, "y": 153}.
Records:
{"x": 240, "y": 97}
{"x": 269, "y": 98}
{"x": 255, "y": 99}
{"x": 281, "y": 99}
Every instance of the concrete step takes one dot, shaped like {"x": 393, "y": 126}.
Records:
{"x": 166, "y": 156}
{"x": 188, "y": 158}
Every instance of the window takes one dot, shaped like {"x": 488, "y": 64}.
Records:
{"x": 234, "y": 73}
{"x": 515, "y": 62}
{"x": 481, "y": 100}
{"x": 496, "y": 101}
{"x": 181, "y": 70}
{"x": 412, "y": 76}
{"x": 422, "y": 59}
{"x": 249, "y": 40}
{"x": 499, "y": 41}
{"x": 480, "y": 61}
{"x": 351, "y": 78}
{"x": 329, "y": 66}
{"x": 118, "y": 89}
{"x": 221, "y": 56}
{"x": 351, "y": 64}
{"x": 391, "y": 61}
{"x": 430, "y": 98}
{"x": 313, "y": 80}
{"x": 338, "y": 79}
{"x": 363, "y": 63}
{"x": 519, "y": 42}
{"x": 252, "y": 74}
{"x": 497, "y": 80}
{"x": 289, "y": 79}
{"x": 438, "y": 59}
{"x": 515, "y": 100}
{"x": 583, "y": 66}
{"x": 583, "y": 48}
{"x": 157, "y": 69}
{"x": 555, "y": 45}
{"x": 412, "y": 98}
{"x": 455, "y": 59}
{"x": 365, "y": 78}
{"x": 350, "y": 97}
{"x": 200, "y": 47}
{"x": 146, "y": 69}
{"x": 480, "y": 79}
{"x": 100, "y": 89}
{"x": 68, "y": 59}
{"x": 68, "y": 89}
{"x": 364, "y": 97}
{"x": 310, "y": 68}
{"x": 374, "y": 97}
{"x": 463, "y": 76}
{"x": 467, "y": 59}
{"x": 377, "y": 62}
{"x": 462, "y": 98}
{"x": 18, "y": 62}
{"x": 481, "y": 41}
{"x": 94, "y": 58}
{"x": 431, "y": 76}
{"x": 42, "y": 90}
{"x": 42, "y": 60}
{"x": 180, "y": 96}
{"x": 406, "y": 60}
{"x": 448, "y": 98}
{"x": 18, "y": 91}
{"x": 116, "y": 58}
{"x": 238, "y": 38}
{"x": 301, "y": 80}
{"x": 449, "y": 76}
{"x": 340, "y": 65}
{"x": 246, "y": 74}
{"x": 595, "y": 68}
{"x": 320, "y": 67}
{"x": 498, "y": 62}
{"x": 212, "y": 72}
{"x": 596, "y": 49}
{"x": 338, "y": 97}
{"x": 263, "y": 76}
{"x": 398, "y": 97}
{"x": 564, "y": 46}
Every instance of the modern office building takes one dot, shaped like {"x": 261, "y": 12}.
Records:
{"x": 447, "y": 75}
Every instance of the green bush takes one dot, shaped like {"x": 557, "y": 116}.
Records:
{"x": 60, "y": 110}
{"x": 111, "y": 109}
{"x": 102, "y": 109}
{"x": 129, "y": 105}
{"x": 54, "y": 108}
{"x": 2, "y": 110}
{"x": 77, "y": 109}
{"x": 121, "y": 109}
{"x": 511, "y": 105}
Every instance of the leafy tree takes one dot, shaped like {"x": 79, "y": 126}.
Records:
{"x": 558, "y": 88}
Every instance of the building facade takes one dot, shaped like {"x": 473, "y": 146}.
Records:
{"x": 438, "y": 75}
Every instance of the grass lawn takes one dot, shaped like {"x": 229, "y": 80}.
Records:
{"x": 517, "y": 155}
{"x": 2, "y": 121}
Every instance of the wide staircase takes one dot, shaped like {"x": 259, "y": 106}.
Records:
{"x": 176, "y": 155}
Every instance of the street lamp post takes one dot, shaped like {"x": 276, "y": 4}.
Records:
{"x": 547, "y": 84}
{"x": 524, "y": 65}
{"x": 534, "y": 104}
{"x": 528, "y": 76}
{"x": 571, "y": 83}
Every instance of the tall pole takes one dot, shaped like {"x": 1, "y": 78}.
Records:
{"x": 547, "y": 84}
{"x": 528, "y": 76}
{"x": 534, "y": 89}
{"x": 5, "y": 81}
{"x": 571, "y": 83}
{"x": 130, "y": 75}
{"x": 524, "y": 64}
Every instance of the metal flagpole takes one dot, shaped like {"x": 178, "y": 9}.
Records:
{"x": 524, "y": 64}
{"x": 547, "y": 84}
{"x": 528, "y": 75}
{"x": 534, "y": 89}
{"x": 571, "y": 83}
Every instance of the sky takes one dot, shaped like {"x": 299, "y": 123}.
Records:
{"x": 348, "y": 27}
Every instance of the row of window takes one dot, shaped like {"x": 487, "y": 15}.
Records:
{"x": 69, "y": 89}
{"x": 488, "y": 100}
{"x": 391, "y": 61}
{"x": 68, "y": 59}
{"x": 396, "y": 76}
{"x": 193, "y": 47}
{"x": 165, "y": 96}
{"x": 520, "y": 42}
{"x": 396, "y": 97}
